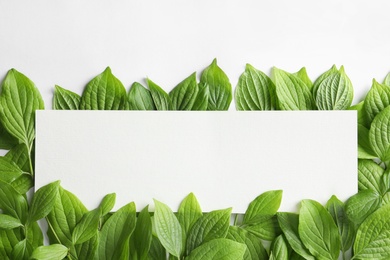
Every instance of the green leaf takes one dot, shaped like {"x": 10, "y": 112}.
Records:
{"x": 34, "y": 235}
{"x": 321, "y": 78}
{"x": 264, "y": 226}
{"x": 292, "y": 92}
{"x": 64, "y": 99}
{"x": 8, "y": 222}
{"x": 254, "y": 247}
{"x": 373, "y": 236}
{"x": 253, "y": 91}
{"x": 8, "y": 240}
{"x": 379, "y": 135}
{"x": 212, "y": 225}
{"x": 386, "y": 80}
{"x": 12, "y": 203}
{"x": 87, "y": 227}
{"x": 23, "y": 183}
{"x": 346, "y": 229}
{"x": 266, "y": 203}
{"x": 202, "y": 99}
{"x": 9, "y": 171}
{"x": 22, "y": 250}
{"x": 52, "y": 252}
{"x": 157, "y": 251}
{"x": 189, "y": 212}
{"x": 43, "y": 201}
{"x": 289, "y": 224}
{"x": 86, "y": 250}
{"x": 364, "y": 147}
{"x": 168, "y": 229}
{"x": 318, "y": 231}
{"x": 361, "y": 205}
{"x": 140, "y": 98}
{"x": 362, "y": 120}
{"x": 7, "y": 141}
{"x": 369, "y": 175}
{"x": 160, "y": 97}
{"x": 142, "y": 235}
{"x": 104, "y": 92}
{"x": 184, "y": 95}
{"x": 67, "y": 212}
{"x": 302, "y": 74}
{"x": 280, "y": 249}
{"x": 219, "y": 87}
{"x": 218, "y": 249}
{"x": 334, "y": 92}
{"x": 107, "y": 203}
{"x": 115, "y": 234}
{"x": 19, "y": 99}
{"x": 20, "y": 156}
{"x": 376, "y": 100}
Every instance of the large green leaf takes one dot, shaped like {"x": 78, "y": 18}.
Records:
{"x": 12, "y": 203}
{"x": 87, "y": 227}
{"x": 212, "y": 225}
{"x": 219, "y": 87}
{"x": 104, "y": 92}
{"x": 141, "y": 238}
{"x": 373, "y": 236}
{"x": 369, "y": 175}
{"x": 346, "y": 228}
{"x": 52, "y": 252}
{"x": 43, "y": 201}
{"x": 19, "y": 99}
{"x": 379, "y": 135}
{"x": 266, "y": 203}
{"x": 253, "y": 91}
{"x": 64, "y": 99}
{"x": 292, "y": 92}
{"x": 318, "y": 231}
{"x": 168, "y": 229}
{"x": 184, "y": 95}
{"x": 376, "y": 100}
{"x": 139, "y": 98}
{"x": 289, "y": 224}
{"x": 218, "y": 249}
{"x": 115, "y": 234}
{"x": 254, "y": 247}
{"x": 334, "y": 92}
{"x": 189, "y": 212}
{"x": 361, "y": 205}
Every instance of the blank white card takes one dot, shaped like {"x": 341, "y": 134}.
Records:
{"x": 225, "y": 158}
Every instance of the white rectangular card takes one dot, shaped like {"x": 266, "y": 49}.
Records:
{"x": 225, "y": 158}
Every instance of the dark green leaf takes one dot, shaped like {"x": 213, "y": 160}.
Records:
{"x": 64, "y": 99}
{"x": 7, "y": 141}
{"x": 142, "y": 236}
{"x": 184, "y": 95}
{"x": 157, "y": 251}
{"x": 160, "y": 97}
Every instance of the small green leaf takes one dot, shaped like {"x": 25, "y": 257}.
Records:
{"x": 9, "y": 171}
{"x": 292, "y": 92}
{"x": 8, "y": 222}
{"x": 22, "y": 250}
{"x": 87, "y": 227}
{"x": 373, "y": 236}
{"x": 52, "y": 252}
{"x": 280, "y": 249}
{"x": 8, "y": 240}
{"x": 253, "y": 91}
{"x": 12, "y": 203}
{"x": 104, "y": 92}
{"x": 302, "y": 74}
{"x": 64, "y": 99}
{"x": 376, "y": 100}
{"x": 362, "y": 119}
{"x": 361, "y": 205}
{"x": 334, "y": 92}
{"x": 107, "y": 203}
{"x": 157, "y": 251}
{"x": 140, "y": 98}
{"x": 266, "y": 203}
{"x": 7, "y": 141}
{"x": 87, "y": 249}
{"x": 218, "y": 249}
{"x": 321, "y": 78}
{"x": 20, "y": 156}
{"x": 189, "y": 212}
{"x": 142, "y": 235}
{"x": 379, "y": 135}
{"x": 23, "y": 183}
{"x": 160, "y": 97}
{"x": 289, "y": 224}
{"x": 184, "y": 95}
{"x": 318, "y": 231}
{"x": 219, "y": 87}
{"x": 364, "y": 147}
{"x": 202, "y": 99}
{"x": 43, "y": 201}
{"x": 212, "y": 225}
{"x": 19, "y": 99}
{"x": 115, "y": 234}
{"x": 255, "y": 248}
{"x": 369, "y": 175}
{"x": 346, "y": 229}
{"x": 168, "y": 229}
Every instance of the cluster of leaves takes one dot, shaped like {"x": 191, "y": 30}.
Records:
{"x": 356, "y": 229}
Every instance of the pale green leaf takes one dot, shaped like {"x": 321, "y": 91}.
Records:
{"x": 168, "y": 229}
{"x": 364, "y": 147}
{"x": 292, "y": 92}
{"x": 280, "y": 248}
{"x": 264, "y": 226}
{"x": 9, "y": 171}
{"x": 104, "y": 92}
{"x": 361, "y": 115}
{"x": 386, "y": 80}
{"x": 373, "y": 236}
{"x": 379, "y": 135}
{"x": 184, "y": 95}
{"x": 8, "y": 240}
{"x": 321, "y": 78}
{"x": 12, "y": 203}
{"x": 52, "y": 252}
{"x": 361, "y": 205}
{"x": 376, "y": 100}
{"x": 254, "y": 247}
{"x": 64, "y": 99}
{"x": 212, "y": 225}
{"x": 302, "y": 74}
{"x": 34, "y": 235}
{"x": 160, "y": 97}
{"x": 220, "y": 89}
{"x": 107, "y": 203}
{"x": 189, "y": 212}
{"x": 43, "y": 201}
{"x": 266, "y": 203}
{"x": 218, "y": 249}
{"x": 318, "y": 231}
{"x": 369, "y": 175}
{"x": 87, "y": 227}
{"x": 20, "y": 156}
{"x": 22, "y": 250}
{"x": 23, "y": 183}
{"x": 139, "y": 98}
{"x": 8, "y": 222}
{"x": 253, "y": 91}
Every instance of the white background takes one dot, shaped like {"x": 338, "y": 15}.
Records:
{"x": 69, "y": 42}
